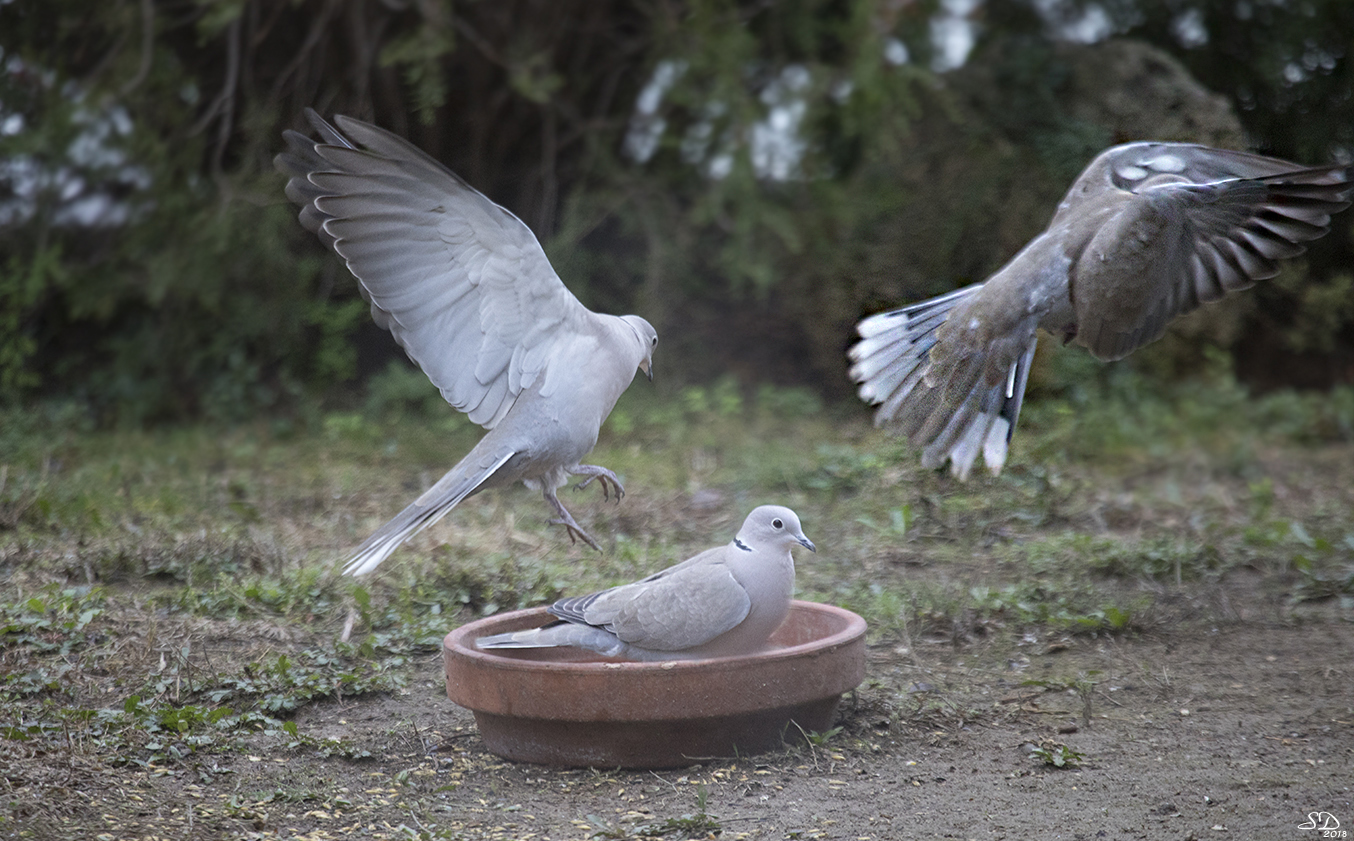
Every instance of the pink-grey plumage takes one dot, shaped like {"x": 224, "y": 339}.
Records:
{"x": 1148, "y": 232}
{"x": 724, "y": 601}
{"x": 467, "y": 291}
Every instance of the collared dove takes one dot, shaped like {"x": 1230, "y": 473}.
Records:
{"x": 724, "y": 601}
{"x": 1148, "y": 231}
{"x": 466, "y": 290}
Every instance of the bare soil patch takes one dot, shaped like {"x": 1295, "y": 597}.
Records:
{"x": 1206, "y": 730}
{"x": 1004, "y": 699}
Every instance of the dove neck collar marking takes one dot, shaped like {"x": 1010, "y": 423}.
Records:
{"x": 741, "y": 545}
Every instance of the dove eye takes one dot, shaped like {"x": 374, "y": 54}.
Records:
{"x": 655, "y": 342}
{"x": 776, "y": 523}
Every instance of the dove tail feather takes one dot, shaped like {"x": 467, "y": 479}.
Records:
{"x": 984, "y": 423}
{"x": 458, "y": 483}
{"x": 953, "y": 419}
{"x": 558, "y": 635}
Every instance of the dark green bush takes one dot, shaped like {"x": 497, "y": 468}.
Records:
{"x": 150, "y": 268}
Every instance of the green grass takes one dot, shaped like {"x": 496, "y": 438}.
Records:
{"x": 1058, "y": 756}
{"x": 114, "y": 543}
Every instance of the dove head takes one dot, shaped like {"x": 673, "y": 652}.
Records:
{"x": 647, "y": 339}
{"x": 772, "y": 526}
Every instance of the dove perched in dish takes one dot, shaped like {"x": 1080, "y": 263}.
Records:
{"x": 724, "y": 601}
{"x": 464, "y": 287}
{"x": 1148, "y": 232}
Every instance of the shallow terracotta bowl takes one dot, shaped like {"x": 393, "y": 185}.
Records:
{"x": 573, "y": 708}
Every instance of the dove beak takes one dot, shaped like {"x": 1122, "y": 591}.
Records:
{"x": 646, "y": 366}
{"x": 807, "y": 544}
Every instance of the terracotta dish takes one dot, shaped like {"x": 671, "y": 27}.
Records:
{"x": 574, "y": 708}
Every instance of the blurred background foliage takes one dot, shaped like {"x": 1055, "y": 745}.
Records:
{"x": 751, "y": 176}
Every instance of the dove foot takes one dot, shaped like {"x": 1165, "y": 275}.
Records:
{"x": 603, "y": 477}
{"x": 576, "y": 532}
{"x": 565, "y": 519}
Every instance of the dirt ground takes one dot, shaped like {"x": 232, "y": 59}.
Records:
{"x": 1209, "y": 730}
{"x": 1226, "y": 708}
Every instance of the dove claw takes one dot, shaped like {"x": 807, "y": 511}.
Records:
{"x": 566, "y": 519}
{"x": 610, "y": 482}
